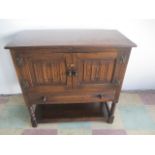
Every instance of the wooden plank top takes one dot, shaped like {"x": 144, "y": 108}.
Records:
{"x": 64, "y": 38}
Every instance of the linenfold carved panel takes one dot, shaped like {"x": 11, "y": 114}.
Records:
{"x": 45, "y": 72}
{"x": 49, "y": 72}
{"x": 97, "y": 70}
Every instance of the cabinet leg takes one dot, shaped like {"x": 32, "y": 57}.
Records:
{"x": 104, "y": 110}
{"x": 32, "y": 109}
{"x": 111, "y": 113}
{"x": 110, "y": 119}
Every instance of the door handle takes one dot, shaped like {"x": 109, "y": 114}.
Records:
{"x": 71, "y": 72}
{"x": 74, "y": 73}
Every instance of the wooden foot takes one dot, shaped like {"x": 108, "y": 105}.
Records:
{"x": 34, "y": 123}
{"x": 32, "y": 109}
{"x": 111, "y": 111}
{"x": 104, "y": 110}
{"x": 110, "y": 119}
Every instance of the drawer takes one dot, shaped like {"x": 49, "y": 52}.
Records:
{"x": 71, "y": 98}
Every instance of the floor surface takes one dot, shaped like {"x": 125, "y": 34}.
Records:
{"x": 135, "y": 114}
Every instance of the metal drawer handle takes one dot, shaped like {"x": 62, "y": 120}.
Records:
{"x": 44, "y": 99}
{"x": 100, "y": 96}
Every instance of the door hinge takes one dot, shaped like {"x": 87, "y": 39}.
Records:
{"x": 19, "y": 61}
{"x": 116, "y": 82}
{"x": 122, "y": 59}
{"x": 25, "y": 84}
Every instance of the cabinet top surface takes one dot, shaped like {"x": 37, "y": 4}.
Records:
{"x": 54, "y": 38}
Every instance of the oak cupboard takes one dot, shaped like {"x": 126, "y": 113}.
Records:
{"x": 70, "y": 74}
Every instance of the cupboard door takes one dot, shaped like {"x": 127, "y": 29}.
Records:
{"x": 95, "y": 69}
{"x": 43, "y": 71}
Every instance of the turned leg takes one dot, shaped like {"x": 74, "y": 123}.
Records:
{"x": 111, "y": 111}
{"x": 32, "y": 109}
{"x": 104, "y": 110}
{"x": 111, "y": 115}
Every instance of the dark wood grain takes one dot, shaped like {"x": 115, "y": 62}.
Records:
{"x": 69, "y": 38}
{"x": 72, "y": 112}
{"x": 64, "y": 72}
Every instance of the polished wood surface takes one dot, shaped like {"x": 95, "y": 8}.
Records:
{"x": 66, "y": 67}
{"x": 64, "y": 38}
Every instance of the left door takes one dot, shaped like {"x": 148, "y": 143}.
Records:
{"x": 42, "y": 71}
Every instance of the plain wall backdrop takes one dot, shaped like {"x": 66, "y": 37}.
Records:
{"x": 140, "y": 72}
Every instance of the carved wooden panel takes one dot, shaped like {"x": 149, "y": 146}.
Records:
{"x": 43, "y": 71}
{"x": 49, "y": 72}
{"x": 96, "y": 68}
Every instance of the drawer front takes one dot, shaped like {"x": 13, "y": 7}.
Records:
{"x": 71, "y": 98}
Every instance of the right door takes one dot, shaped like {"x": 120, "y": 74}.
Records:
{"x": 96, "y": 70}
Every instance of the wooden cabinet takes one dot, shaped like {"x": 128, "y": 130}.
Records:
{"x": 68, "y": 73}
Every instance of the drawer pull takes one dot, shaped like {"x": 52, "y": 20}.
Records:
{"x": 44, "y": 99}
{"x": 100, "y": 96}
